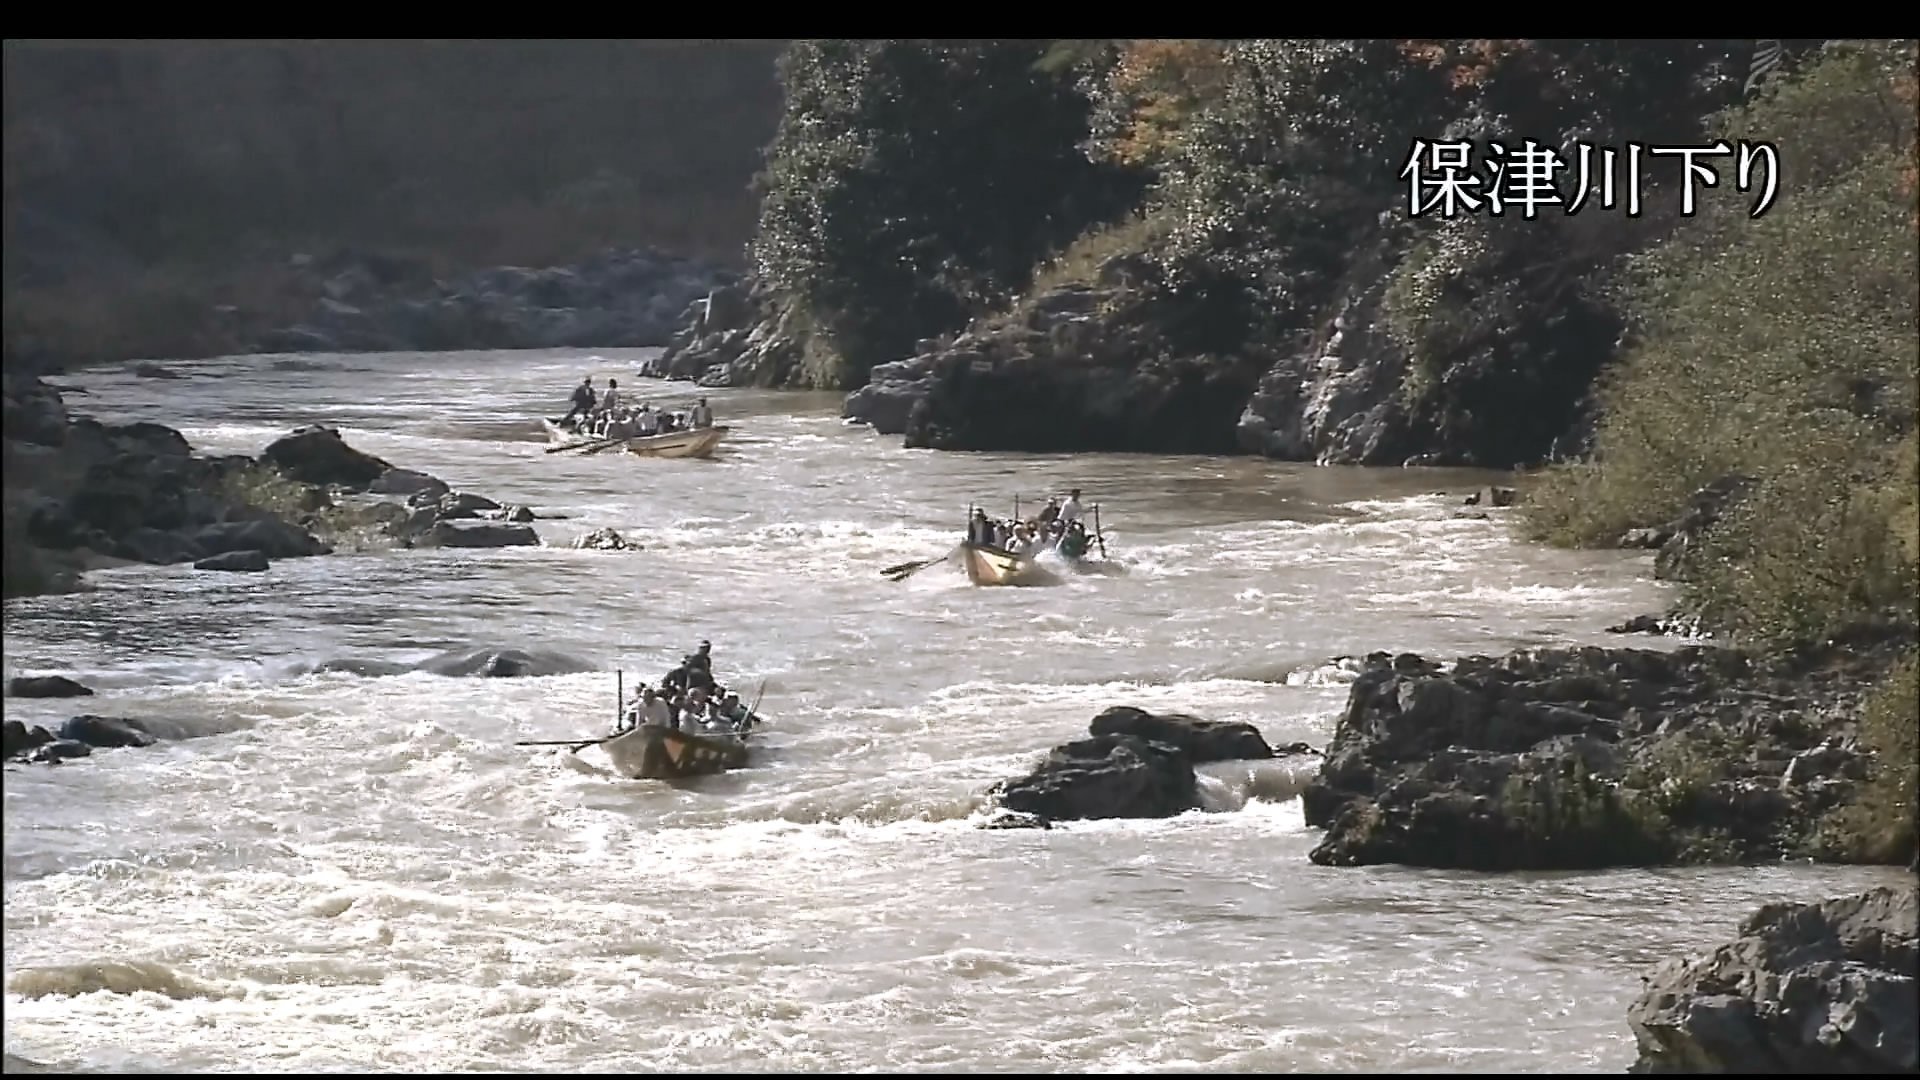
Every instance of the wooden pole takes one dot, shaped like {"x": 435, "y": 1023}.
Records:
{"x": 1016, "y": 509}
{"x": 1097, "y": 535}
{"x": 619, "y": 698}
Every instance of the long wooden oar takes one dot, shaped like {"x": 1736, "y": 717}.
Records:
{"x": 608, "y": 445}
{"x": 577, "y": 744}
{"x": 908, "y": 569}
{"x": 588, "y": 445}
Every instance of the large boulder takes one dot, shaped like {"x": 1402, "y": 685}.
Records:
{"x": 316, "y": 454}
{"x": 1137, "y": 764}
{"x": 1107, "y": 776}
{"x": 1590, "y": 757}
{"x": 1201, "y": 740}
{"x": 1804, "y": 988}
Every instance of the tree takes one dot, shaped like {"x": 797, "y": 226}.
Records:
{"x": 913, "y": 184}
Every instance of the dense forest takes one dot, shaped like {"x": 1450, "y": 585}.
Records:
{"x": 1238, "y": 214}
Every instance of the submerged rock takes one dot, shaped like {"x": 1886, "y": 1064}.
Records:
{"x": 1804, "y": 988}
{"x": 249, "y": 560}
{"x": 456, "y": 534}
{"x": 605, "y": 540}
{"x": 45, "y": 686}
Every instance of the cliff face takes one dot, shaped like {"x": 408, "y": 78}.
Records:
{"x": 266, "y": 135}
{"x": 149, "y": 183}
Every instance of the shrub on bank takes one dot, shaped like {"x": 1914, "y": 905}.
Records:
{"x": 1784, "y": 349}
{"x": 1781, "y": 349}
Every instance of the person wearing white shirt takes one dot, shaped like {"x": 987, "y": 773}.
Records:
{"x": 649, "y": 421}
{"x": 1069, "y": 511}
{"x": 611, "y": 399}
{"x": 702, "y": 415}
{"x": 653, "y": 710}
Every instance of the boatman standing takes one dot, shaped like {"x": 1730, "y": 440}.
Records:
{"x": 702, "y": 415}
{"x": 582, "y": 401}
{"x": 1069, "y": 511}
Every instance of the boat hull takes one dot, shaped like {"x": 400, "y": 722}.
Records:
{"x": 649, "y": 752}
{"x": 697, "y": 443}
{"x": 693, "y": 443}
{"x": 992, "y": 566}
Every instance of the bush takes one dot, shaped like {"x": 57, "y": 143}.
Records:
{"x": 1781, "y": 349}
{"x": 1880, "y": 825}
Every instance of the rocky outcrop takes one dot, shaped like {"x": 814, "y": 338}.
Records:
{"x": 79, "y": 737}
{"x": 318, "y": 455}
{"x": 1591, "y": 757}
{"x": 739, "y": 335}
{"x": 1136, "y": 765}
{"x": 1804, "y": 988}
{"x": 80, "y": 494}
{"x": 1077, "y": 368}
{"x": 619, "y": 298}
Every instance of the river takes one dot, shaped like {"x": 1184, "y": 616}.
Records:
{"x": 360, "y": 873}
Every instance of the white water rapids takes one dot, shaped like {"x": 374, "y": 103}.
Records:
{"x": 363, "y": 873}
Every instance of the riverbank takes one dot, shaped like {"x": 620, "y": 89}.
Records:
{"x": 83, "y": 495}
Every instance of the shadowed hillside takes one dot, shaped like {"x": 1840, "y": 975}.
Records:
{"x": 149, "y": 184}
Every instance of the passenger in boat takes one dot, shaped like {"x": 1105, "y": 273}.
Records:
{"x": 1074, "y": 543}
{"x": 1049, "y": 511}
{"x": 610, "y": 400}
{"x": 649, "y": 421}
{"x": 582, "y": 401}
{"x": 702, "y": 416}
{"x": 654, "y": 709}
{"x": 732, "y": 714}
{"x": 675, "y": 684}
{"x": 703, "y": 656}
{"x": 1024, "y": 542}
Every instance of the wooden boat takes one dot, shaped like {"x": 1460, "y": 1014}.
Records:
{"x": 993, "y": 566}
{"x": 651, "y": 752}
{"x": 691, "y": 443}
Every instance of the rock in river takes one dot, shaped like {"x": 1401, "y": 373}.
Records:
{"x": 1804, "y": 988}
{"x": 1590, "y": 757}
{"x": 1137, "y": 764}
{"x": 45, "y": 686}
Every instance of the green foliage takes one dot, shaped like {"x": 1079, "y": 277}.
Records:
{"x": 1782, "y": 349}
{"x": 1889, "y": 805}
{"x": 913, "y": 184}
